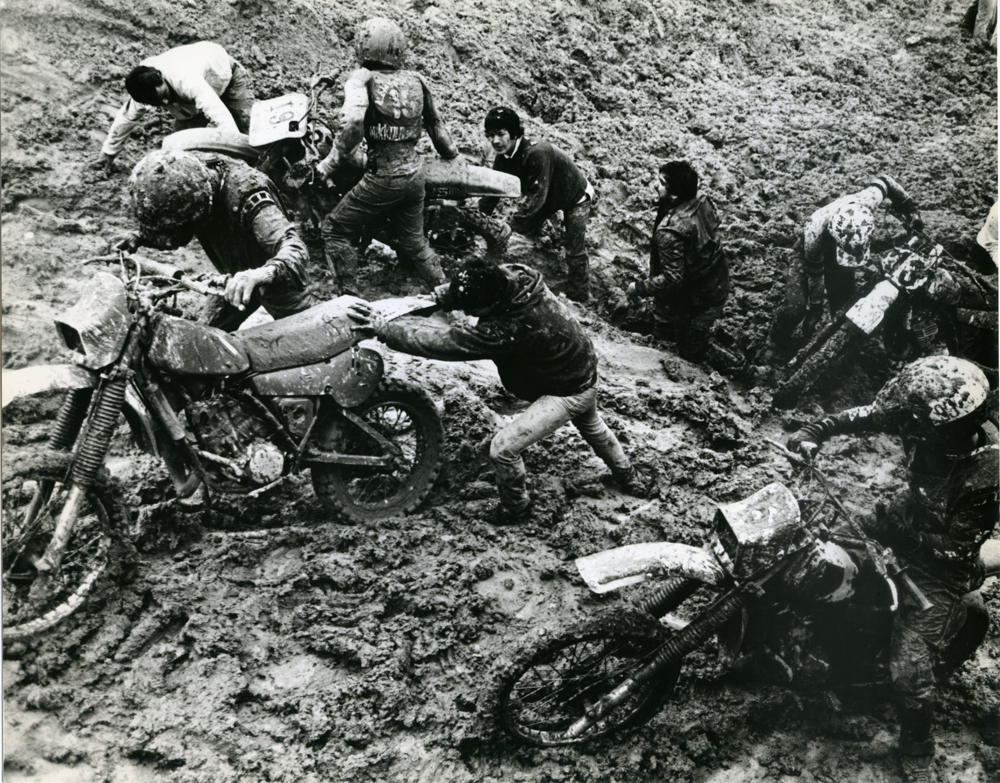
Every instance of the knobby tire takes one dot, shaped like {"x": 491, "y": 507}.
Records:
{"x": 406, "y": 416}
{"x": 826, "y": 360}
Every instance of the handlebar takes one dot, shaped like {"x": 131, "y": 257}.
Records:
{"x": 211, "y": 285}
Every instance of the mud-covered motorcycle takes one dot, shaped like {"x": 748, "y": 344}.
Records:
{"x": 227, "y": 413}
{"x": 794, "y": 588}
{"x": 287, "y": 140}
{"x": 904, "y": 307}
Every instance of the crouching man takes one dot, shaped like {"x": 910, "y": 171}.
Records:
{"x": 542, "y": 355}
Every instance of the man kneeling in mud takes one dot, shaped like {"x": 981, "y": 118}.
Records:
{"x": 542, "y": 355}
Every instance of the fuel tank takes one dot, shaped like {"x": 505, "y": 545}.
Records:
{"x": 189, "y": 348}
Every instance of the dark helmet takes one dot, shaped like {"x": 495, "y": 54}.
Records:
{"x": 479, "y": 285}
{"x": 940, "y": 398}
{"x": 171, "y": 192}
{"x": 379, "y": 41}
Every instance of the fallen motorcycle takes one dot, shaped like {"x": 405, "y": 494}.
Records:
{"x": 794, "y": 588}
{"x": 227, "y": 413}
{"x": 904, "y": 306}
{"x": 287, "y": 140}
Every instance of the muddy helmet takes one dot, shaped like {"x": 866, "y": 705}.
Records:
{"x": 852, "y": 231}
{"x": 379, "y": 41}
{"x": 940, "y": 398}
{"x": 171, "y": 193}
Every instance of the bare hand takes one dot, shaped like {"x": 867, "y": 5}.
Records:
{"x": 241, "y": 286}
{"x": 367, "y": 322}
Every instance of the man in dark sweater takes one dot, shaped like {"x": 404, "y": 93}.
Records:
{"x": 550, "y": 182}
{"x": 542, "y": 355}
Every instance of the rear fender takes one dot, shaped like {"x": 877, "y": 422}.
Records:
{"x": 629, "y": 565}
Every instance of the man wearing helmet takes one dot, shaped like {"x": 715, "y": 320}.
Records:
{"x": 836, "y": 241}
{"x": 550, "y": 182}
{"x": 199, "y": 84}
{"x": 234, "y": 212}
{"x": 389, "y": 108}
{"x": 939, "y": 405}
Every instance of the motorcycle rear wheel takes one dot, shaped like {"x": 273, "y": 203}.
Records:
{"x": 406, "y": 416}
{"x": 85, "y": 557}
{"x": 552, "y": 685}
{"x": 821, "y": 364}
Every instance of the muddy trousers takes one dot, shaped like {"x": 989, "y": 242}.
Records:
{"x": 371, "y": 198}
{"x": 920, "y": 640}
{"x": 575, "y": 220}
{"x": 543, "y": 417}
{"x": 840, "y": 292}
{"x": 689, "y": 326}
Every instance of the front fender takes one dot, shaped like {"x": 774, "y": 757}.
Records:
{"x": 868, "y": 312}
{"x": 634, "y": 563}
{"x": 28, "y": 381}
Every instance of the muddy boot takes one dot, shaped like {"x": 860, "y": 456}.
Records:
{"x": 638, "y": 482}
{"x": 502, "y": 515}
{"x": 917, "y": 769}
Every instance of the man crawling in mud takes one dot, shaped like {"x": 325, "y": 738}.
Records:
{"x": 939, "y": 405}
{"x": 542, "y": 354}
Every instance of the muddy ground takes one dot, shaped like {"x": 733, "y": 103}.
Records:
{"x": 273, "y": 644}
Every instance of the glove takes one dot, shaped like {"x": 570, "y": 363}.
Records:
{"x": 913, "y": 222}
{"x": 127, "y": 244}
{"x": 811, "y": 321}
{"x": 328, "y": 165}
{"x": 636, "y": 290}
{"x": 241, "y": 286}
{"x": 804, "y": 442}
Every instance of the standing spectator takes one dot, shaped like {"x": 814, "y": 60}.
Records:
{"x": 389, "y": 108}
{"x": 200, "y": 84}
{"x": 550, "y": 182}
{"x": 836, "y": 241}
{"x": 688, "y": 271}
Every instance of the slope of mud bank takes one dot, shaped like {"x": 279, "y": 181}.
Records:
{"x": 270, "y": 643}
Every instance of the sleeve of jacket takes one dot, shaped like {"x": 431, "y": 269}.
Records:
{"x": 535, "y": 180}
{"x": 435, "y": 126}
{"x": 279, "y": 237}
{"x": 434, "y": 339}
{"x": 208, "y": 102}
{"x": 670, "y": 254}
{"x": 124, "y": 123}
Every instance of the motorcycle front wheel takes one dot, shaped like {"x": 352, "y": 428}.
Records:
{"x": 406, "y": 416}
{"x": 34, "y": 491}
{"x": 554, "y": 684}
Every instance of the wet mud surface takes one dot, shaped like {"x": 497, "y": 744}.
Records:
{"x": 270, "y": 643}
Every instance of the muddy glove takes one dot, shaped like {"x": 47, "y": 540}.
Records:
{"x": 812, "y": 319}
{"x": 240, "y": 287}
{"x": 442, "y": 296}
{"x": 805, "y": 441}
{"x": 636, "y": 290}
{"x": 913, "y": 222}
{"x": 128, "y": 243}
{"x": 328, "y": 165}
{"x": 367, "y": 322}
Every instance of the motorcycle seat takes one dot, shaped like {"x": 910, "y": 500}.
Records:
{"x": 311, "y": 336}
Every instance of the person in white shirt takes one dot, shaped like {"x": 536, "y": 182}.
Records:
{"x": 200, "y": 84}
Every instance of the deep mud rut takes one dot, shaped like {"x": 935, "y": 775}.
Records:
{"x": 272, "y": 644}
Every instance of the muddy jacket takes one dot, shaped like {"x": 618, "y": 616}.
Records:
{"x": 197, "y": 74}
{"x": 550, "y": 181}
{"x": 687, "y": 264}
{"x": 390, "y": 109}
{"x": 538, "y": 348}
{"x": 247, "y": 229}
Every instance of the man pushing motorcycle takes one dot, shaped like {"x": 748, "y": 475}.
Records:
{"x": 234, "y": 211}
{"x": 939, "y": 405}
{"x": 389, "y": 108}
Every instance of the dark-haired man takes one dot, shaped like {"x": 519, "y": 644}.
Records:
{"x": 200, "y": 84}
{"x": 550, "y": 182}
{"x": 542, "y": 355}
{"x": 688, "y": 270}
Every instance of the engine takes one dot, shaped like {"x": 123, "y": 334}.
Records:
{"x": 235, "y": 439}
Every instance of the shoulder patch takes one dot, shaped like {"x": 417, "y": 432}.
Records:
{"x": 253, "y": 204}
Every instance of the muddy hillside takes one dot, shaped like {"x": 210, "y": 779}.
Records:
{"x": 269, "y": 643}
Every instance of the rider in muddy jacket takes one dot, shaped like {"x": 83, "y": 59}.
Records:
{"x": 939, "y": 405}
{"x": 836, "y": 240}
{"x": 389, "y": 108}
{"x": 542, "y": 355}
{"x": 550, "y": 182}
{"x": 235, "y": 213}
{"x": 688, "y": 271}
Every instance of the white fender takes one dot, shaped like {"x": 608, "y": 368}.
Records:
{"x": 43, "y": 378}
{"x": 868, "y": 312}
{"x": 628, "y": 565}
